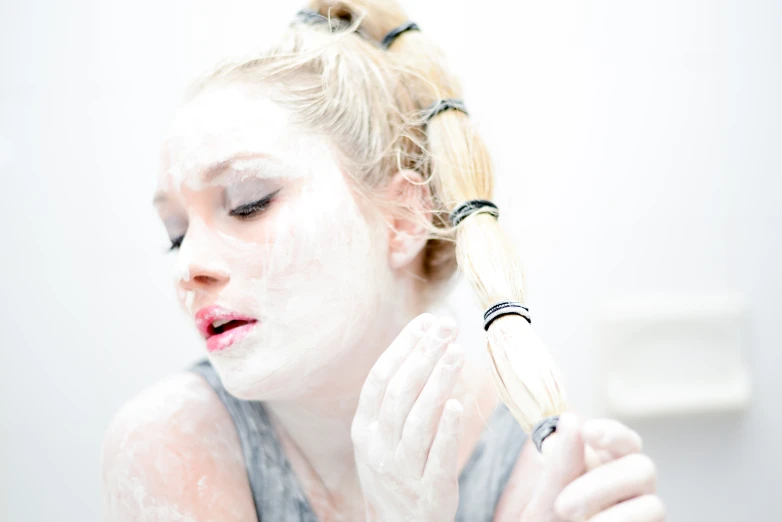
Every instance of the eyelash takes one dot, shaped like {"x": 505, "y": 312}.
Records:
{"x": 251, "y": 209}
{"x": 176, "y": 243}
{"x": 243, "y": 212}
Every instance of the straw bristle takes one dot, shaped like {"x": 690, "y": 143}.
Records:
{"x": 525, "y": 374}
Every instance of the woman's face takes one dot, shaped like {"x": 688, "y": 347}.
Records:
{"x": 277, "y": 265}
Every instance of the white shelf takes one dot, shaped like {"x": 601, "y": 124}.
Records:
{"x": 672, "y": 354}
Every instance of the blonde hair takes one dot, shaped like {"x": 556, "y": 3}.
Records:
{"x": 372, "y": 103}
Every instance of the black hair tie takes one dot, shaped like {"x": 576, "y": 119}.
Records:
{"x": 309, "y": 16}
{"x": 543, "y": 429}
{"x": 475, "y": 206}
{"x": 393, "y": 34}
{"x": 505, "y": 308}
{"x": 444, "y": 105}
{"x": 312, "y": 17}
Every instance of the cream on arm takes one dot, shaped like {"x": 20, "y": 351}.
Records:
{"x": 172, "y": 453}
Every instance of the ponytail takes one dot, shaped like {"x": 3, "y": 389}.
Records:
{"x": 461, "y": 171}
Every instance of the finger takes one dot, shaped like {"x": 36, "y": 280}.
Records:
{"x": 612, "y": 437}
{"x": 563, "y": 461}
{"x": 407, "y": 383}
{"x": 596, "y": 458}
{"x": 421, "y": 425}
{"x": 388, "y": 363}
{"x": 626, "y": 477}
{"x": 647, "y": 508}
{"x": 442, "y": 462}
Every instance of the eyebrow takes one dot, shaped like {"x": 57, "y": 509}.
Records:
{"x": 217, "y": 168}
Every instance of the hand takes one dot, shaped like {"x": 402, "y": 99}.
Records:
{"x": 620, "y": 489}
{"x": 406, "y": 430}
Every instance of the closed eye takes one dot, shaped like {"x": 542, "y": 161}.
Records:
{"x": 251, "y": 209}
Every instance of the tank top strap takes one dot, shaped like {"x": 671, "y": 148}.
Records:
{"x": 487, "y": 472}
{"x": 276, "y": 491}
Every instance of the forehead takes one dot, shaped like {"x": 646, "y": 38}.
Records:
{"x": 224, "y": 107}
{"x": 227, "y": 121}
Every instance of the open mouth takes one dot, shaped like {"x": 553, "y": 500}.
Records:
{"x": 222, "y": 334}
{"x": 221, "y": 326}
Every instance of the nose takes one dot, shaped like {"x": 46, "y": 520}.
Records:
{"x": 199, "y": 266}
{"x": 201, "y": 277}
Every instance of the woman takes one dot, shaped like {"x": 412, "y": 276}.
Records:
{"x": 306, "y": 193}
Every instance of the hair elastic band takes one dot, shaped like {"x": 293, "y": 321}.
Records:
{"x": 309, "y": 16}
{"x": 444, "y": 105}
{"x": 505, "y": 308}
{"x": 475, "y": 206}
{"x": 394, "y": 33}
{"x": 543, "y": 429}
{"x": 312, "y": 17}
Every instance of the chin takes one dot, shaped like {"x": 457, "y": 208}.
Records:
{"x": 302, "y": 358}
{"x": 260, "y": 375}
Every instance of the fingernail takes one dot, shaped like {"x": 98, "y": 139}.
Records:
{"x": 454, "y": 408}
{"x": 431, "y": 325}
{"x": 447, "y": 327}
{"x": 453, "y": 357}
{"x": 569, "y": 507}
{"x": 437, "y": 336}
{"x": 431, "y": 340}
{"x": 564, "y": 509}
{"x": 426, "y": 322}
{"x": 604, "y": 456}
{"x": 592, "y": 433}
{"x": 569, "y": 512}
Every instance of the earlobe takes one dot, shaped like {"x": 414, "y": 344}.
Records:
{"x": 406, "y": 249}
{"x": 407, "y": 234}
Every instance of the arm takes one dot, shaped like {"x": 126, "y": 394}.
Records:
{"x": 173, "y": 454}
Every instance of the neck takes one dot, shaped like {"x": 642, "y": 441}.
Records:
{"x": 316, "y": 436}
{"x": 315, "y": 429}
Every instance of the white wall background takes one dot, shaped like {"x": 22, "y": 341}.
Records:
{"x": 639, "y": 146}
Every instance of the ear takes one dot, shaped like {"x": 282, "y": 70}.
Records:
{"x": 407, "y": 237}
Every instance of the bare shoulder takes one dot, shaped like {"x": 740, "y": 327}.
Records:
{"x": 172, "y": 453}
{"x": 520, "y": 486}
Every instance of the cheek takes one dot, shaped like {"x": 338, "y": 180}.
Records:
{"x": 324, "y": 266}
{"x": 315, "y": 287}
{"x": 317, "y": 234}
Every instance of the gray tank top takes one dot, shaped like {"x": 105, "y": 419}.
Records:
{"x": 279, "y": 497}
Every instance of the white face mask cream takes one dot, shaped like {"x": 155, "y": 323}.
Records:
{"x": 274, "y": 239}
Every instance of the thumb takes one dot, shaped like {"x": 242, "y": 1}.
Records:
{"x": 563, "y": 462}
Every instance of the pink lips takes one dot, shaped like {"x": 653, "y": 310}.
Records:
{"x": 231, "y": 327}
